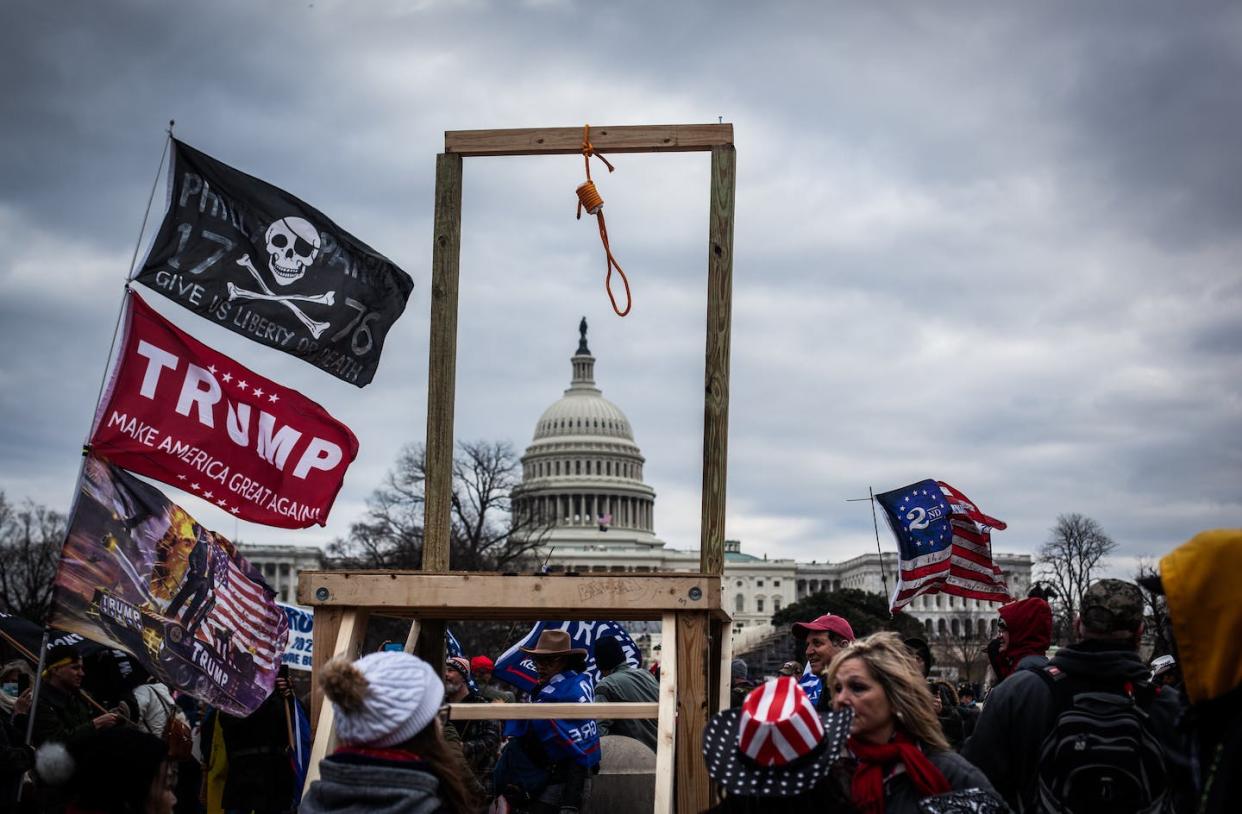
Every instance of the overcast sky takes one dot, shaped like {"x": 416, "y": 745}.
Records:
{"x": 993, "y": 244}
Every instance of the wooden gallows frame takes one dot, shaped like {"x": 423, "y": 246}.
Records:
{"x": 696, "y": 652}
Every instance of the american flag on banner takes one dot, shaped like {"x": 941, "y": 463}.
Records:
{"x": 944, "y": 542}
{"x": 246, "y": 609}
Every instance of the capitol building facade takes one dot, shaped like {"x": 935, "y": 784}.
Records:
{"x": 582, "y": 487}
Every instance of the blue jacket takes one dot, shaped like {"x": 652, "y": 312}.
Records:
{"x": 575, "y": 740}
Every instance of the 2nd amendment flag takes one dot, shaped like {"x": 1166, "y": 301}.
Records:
{"x": 249, "y": 256}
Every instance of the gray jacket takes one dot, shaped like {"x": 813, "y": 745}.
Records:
{"x": 372, "y": 788}
{"x": 628, "y": 684}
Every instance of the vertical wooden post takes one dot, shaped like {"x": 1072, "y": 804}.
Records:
{"x": 442, "y": 364}
{"x": 716, "y": 372}
{"x": 666, "y": 724}
{"x": 693, "y": 785}
{"x": 323, "y": 639}
{"x": 725, "y": 660}
{"x": 351, "y": 624}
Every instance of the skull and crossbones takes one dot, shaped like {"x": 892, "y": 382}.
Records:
{"x": 292, "y": 246}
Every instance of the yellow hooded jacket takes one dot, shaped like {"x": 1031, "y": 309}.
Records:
{"x": 1203, "y": 583}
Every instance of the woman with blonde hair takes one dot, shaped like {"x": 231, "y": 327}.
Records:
{"x": 899, "y": 753}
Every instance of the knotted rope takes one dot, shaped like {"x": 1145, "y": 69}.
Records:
{"x": 590, "y": 200}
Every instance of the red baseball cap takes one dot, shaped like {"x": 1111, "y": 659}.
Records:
{"x": 827, "y": 622}
{"x": 484, "y": 663}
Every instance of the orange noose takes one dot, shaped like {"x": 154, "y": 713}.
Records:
{"x": 590, "y": 200}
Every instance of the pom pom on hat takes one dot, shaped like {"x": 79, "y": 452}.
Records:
{"x": 382, "y": 699}
{"x": 53, "y": 764}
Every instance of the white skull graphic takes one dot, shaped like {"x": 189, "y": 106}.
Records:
{"x": 292, "y": 246}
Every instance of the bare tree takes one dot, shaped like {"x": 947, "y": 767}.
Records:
{"x": 1075, "y": 550}
{"x": 30, "y": 541}
{"x": 485, "y": 534}
{"x": 1155, "y": 611}
{"x": 965, "y": 651}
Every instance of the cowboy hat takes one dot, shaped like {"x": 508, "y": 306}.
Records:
{"x": 554, "y": 643}
{"x": 775, "y": 744}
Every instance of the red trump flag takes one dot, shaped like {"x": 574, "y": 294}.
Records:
{"x": 180, "y": 412}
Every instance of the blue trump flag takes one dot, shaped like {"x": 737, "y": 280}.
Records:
{"x": 518, "y": 669}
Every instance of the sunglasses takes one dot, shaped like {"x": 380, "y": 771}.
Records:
{"x": 1002, "y": 626}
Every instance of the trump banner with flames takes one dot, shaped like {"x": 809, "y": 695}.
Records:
{"x": 180, "y": 412}
{"x": 140, "y": 574}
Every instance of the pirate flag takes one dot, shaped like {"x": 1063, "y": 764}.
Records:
{"x": 255, "y": 259}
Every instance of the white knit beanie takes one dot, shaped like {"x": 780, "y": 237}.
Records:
{"x": 382, "y": 699}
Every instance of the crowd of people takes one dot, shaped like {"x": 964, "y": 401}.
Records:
{"x": 865, "y": 725}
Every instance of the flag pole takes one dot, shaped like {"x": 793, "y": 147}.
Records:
{"x": 77, "y": 490}
{"x": 34, "y": 694}
{"x": 129, "y": 275}
{"x": 876, "y": 524}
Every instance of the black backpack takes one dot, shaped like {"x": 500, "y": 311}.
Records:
{"x": 1102, "y": 755}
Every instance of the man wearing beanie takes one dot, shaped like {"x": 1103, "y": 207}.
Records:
{"x": 393, "y": 758}
{"x": 621, "y": 682}
{"x": 61, "y": 713}
{"x": 479, "y": 740}
{"x": 481, "y": 668}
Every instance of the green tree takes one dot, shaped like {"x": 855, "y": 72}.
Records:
{"x": 866, "y": 612}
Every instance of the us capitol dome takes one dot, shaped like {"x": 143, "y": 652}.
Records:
{"x": 582, "y": 475}
{"x": 583, "y": 497}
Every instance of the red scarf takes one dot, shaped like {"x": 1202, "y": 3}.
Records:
{"x": 391, "y": 755}
{"x": 867, "y": 786}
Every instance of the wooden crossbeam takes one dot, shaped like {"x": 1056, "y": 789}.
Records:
{"x": 495, "y": 596}
{"x": 538, "y": 712}
{"x": 661, "y": 138}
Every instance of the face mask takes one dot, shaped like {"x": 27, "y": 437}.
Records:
{"x": 10, "y": 688}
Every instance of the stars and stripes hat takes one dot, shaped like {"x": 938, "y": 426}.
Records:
{"x": 775, "y": 744}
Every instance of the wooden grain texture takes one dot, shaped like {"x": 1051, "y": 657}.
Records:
{"x": 693, "y": 784}
{"x": 495, "y": 596}
{"x": 666, "y": 725}
{"x": 350, "y": 632}
{"x": 323, "y": 636}
{"x": 661, "y": 138}
{"x": 534, "y": 712}
{"x": 716, "y": 368}
{"x": 725, "y": 660}
{"x": 411, "y": 637}
{"x": 442, "y": 363}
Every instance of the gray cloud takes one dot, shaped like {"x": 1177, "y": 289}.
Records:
{"x": 988, "y": 244}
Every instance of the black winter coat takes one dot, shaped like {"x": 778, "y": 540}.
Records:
{"x": 1020, "y": 713}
